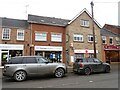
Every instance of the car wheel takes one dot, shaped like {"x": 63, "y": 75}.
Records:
{"x": 87, "y": 71}
{"x": 20, "y": 76}
{"x": 107, "y": 69}
{"x": 59, "y": 73}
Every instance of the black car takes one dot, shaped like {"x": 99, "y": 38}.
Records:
{"x": 90, "y": 65}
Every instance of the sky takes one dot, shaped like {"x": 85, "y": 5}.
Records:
{"x": 105, "y": 11}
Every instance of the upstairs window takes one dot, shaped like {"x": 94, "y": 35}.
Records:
{"x": 78, "y": 37}
{"x": 6, "y": 33}
{"x": 20, "y": 34}
{"x": 111, "y": 40}
{"x": 40, "y": 36}
{"x": 56, "y": 37}
{"x": 90, "y": 38}
{"x": 104, "y": 39}
{"x": 117, "y": 41}
{"x": 84, "y": 23}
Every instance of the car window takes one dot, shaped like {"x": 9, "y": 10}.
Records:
{"x": 29, "y": 60}
{"x": 81, "y": 60}
{"x": 90, "y": 59}
{"x": 17, "y": 60}
{"x": 96, "y": 60}
{"x": 41, "y": 60}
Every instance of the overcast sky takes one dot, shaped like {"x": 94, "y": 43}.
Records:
{"x": 105, "y": 11}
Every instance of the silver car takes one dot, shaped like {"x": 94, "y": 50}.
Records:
{"x": 21, "y": 67}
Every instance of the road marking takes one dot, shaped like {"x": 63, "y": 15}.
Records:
{"x": 91, "y": 81}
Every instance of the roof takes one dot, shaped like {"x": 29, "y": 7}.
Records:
{"x": 79, "y": 14}
{"x": 112, "y": 28}
{"x": 47, "y": 20}
{"x": 16, "y": 23}
{"x": 105, "y": 32}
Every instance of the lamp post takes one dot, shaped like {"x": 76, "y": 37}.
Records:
{"x": 94, "y": 45}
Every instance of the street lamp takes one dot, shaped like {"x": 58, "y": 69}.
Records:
{"x": 94, "y": 45}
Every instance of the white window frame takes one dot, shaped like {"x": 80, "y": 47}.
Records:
{"x": 79, "y": 37}
{"x": 104, "y": 38}
{"x": 56, "y": 37}
{"x": 84, "y": 23}
{"x": 22, "y": 32}
{"x": 4, "y": 32}
{"x": 89, "y": 36}
{"x": 42, "y": 36}
{"x": 109, "y": 40}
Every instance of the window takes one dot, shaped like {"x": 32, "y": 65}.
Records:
{"x": 78, "y": 37}
{"x": 56, "y": 37}
{"x": 117, "y": 40}
{"x": 20, "y": 34}
{"x": 41, "y": 60}
{"x": 90, "y": 59}
{"x": 90, "y": 38}
{"x": 96, "y": 60}
{"x": 40, "y": 36}
{"x": 104, "y": 39}
{"x": 84, "y": 23}
{"x": 6, "y": 34}
{"x": 111, "y": 40}
{"x": 29, "y": 60}
{"x": 15, "y": 61}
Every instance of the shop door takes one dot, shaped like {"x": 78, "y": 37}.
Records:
{"x": 4, "y": 57}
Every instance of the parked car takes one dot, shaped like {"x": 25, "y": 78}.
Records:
{"x": 23, "y": 66}
{"x": 90, "y": 65}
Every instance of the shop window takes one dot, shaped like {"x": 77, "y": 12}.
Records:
{"x": 84, "y": 23}
{"x": 56, "y": 37}
{"x": 79, "y": 56}
{"x": 78, "y": 37}
{"x": 20, "y": 34}
{"x": 6, "y": 33}
{"x": 40, "y": 36}
{"x": 104, "y": 39}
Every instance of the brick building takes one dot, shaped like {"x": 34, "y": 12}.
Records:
{"x": 80, "y": 34}
{"x": 111, "y": 43}
{"x": 48, "y": 37}
{"x": 14, "y": 38}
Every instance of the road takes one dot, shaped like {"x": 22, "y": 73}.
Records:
{"x": 71, "y": 80}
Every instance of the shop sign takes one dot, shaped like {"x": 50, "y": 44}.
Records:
{"x": 11, "y": 47}
{"x": 85, "y": 51}
{"x": 111, "y": 47}
{"x": 48, "y": 48}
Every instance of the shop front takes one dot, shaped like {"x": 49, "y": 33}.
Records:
{"x": 9, "y": 50}
{"x": 112, "y": 53}
{"x": 53, "y": 53}
{"x": 84, "y": 53}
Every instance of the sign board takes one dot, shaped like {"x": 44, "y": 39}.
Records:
{"x": 48, "y": 48}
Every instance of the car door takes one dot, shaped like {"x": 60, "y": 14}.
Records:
{"x": 99, "y": 65}
{"x": 92, "y": 65}
{"x": 30, "y": 65}
{"x": 43, "y": 66}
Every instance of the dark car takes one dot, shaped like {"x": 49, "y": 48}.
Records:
{"x": 23, "y": 66}
{"x": 90, "y": 65}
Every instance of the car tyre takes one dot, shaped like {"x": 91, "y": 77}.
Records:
{"x": 87, "y": 71}
{"x": 20, "y": 76}
{"x": 107, "y": 69}
{"x": 59, "y": 72}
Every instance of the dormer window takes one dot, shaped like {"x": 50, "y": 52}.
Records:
{"x": 84, "y": 23}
